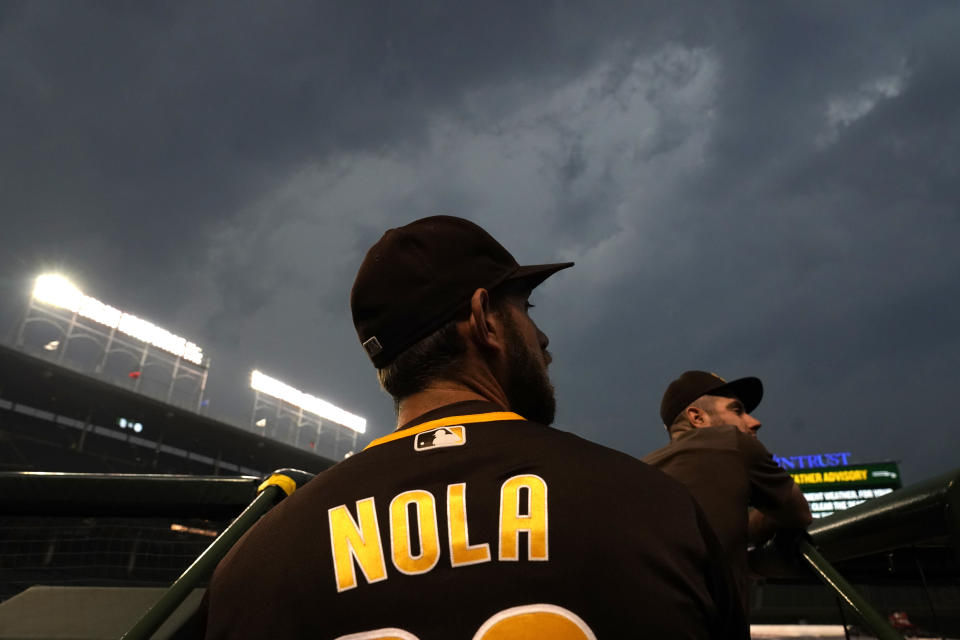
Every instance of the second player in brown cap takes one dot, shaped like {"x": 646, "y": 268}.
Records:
{"x": 714, "y": 451}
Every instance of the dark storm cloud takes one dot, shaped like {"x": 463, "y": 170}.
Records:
{"x": 149, "y": 125}
{"x": 134, "y": 133}
{"x": 754, "y": 189}
{"x": 814, "y": 253}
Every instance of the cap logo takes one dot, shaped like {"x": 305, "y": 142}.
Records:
{"x": 442, "y": 437}
{"x": 372, "y": 346}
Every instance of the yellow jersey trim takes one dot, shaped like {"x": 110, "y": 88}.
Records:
{"x": 288, "y": 484}
{"x": 447, "y": 422}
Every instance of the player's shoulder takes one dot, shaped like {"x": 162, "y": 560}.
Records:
{"x": 511, "y": 441}
{"x": 718, "y": 438}
{"x": 750, "y": 445}
{"x": 558, "y": 440}
{"x": 581, "y": 455}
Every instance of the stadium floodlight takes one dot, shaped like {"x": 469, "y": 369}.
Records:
{"x": 273, "y": 387}
{"x": 59, "y": 292}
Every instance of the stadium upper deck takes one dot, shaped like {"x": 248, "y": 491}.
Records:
{"x": 53, "y": 418}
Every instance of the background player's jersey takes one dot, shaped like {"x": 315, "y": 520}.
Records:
{"x": 474, "y": 523}
{"x": 726, "y": 471}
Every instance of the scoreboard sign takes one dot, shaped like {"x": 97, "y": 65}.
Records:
{"x": 837, "y": 488}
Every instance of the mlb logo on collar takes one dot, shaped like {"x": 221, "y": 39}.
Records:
{"x": 441, "y": 437}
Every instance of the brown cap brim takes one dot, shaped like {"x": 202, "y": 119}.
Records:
{"x": 748, "y": 390}
{"x": 535, "y": 274}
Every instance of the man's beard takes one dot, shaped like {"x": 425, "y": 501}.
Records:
{"x": 528, "y": 388}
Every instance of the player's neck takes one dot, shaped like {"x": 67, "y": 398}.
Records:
{"x": 678, "y": 430}
{"x": 443, "y": 393}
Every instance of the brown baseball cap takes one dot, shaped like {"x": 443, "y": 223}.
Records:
{"x": 417, "y": 277}
{"x": 693, "y": 384}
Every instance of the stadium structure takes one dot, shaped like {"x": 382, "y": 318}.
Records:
{"x": 92, "y": 394}
{"x": 113, "y": 488}
{"x": 81, "y": 341}
{"x": 54, "y": 420}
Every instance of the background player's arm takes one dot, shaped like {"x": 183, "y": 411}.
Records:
{"x": 778, "y": 500}
{"x": 792, "y": 514}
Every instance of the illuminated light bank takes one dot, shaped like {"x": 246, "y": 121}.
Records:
{"x": 59, "y": 292}
{"x": 273, "y": 387}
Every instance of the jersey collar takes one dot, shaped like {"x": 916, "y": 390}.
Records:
{"x": 472, "y": 418}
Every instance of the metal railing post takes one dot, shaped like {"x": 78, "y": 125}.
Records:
{"x": 275, "y": 488}
{"x": 203, "y": 566}
{"x": 832, "y": 578}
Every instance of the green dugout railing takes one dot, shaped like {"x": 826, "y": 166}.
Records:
{"x": 275, "y": 488}
{"x": 925, "y": 513}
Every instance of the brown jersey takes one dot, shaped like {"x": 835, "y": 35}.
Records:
{"x": 472, "y": 522}
{"x": 727, "y": 471}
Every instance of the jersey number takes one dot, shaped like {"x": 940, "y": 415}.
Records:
{"x": 529, "y": 622}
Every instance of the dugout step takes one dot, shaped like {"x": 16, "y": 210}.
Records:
{"x": 87, "y": 613}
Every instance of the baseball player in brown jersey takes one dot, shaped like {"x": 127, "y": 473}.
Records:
{"x": 475, "y": 518}
{"x": 714, "y": 452}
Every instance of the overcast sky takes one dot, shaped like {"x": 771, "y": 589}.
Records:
{"x": 766, "y": 189}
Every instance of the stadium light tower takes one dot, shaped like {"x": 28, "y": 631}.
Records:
{"x": 59, "y": 303}
{"x": 296, "y": 403}
{"x": 57, "y": 291}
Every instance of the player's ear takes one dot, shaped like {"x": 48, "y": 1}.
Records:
{"x": 484, "y": 324}
{"x": 696, "y": 416}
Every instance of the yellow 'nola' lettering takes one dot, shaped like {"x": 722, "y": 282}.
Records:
{"x": 461, "y": 551}
{"x": 429, "y": 539}
{"x": 349, "y": 541}
{"x": 353, "y": 543}
{"x": 534, "y": 521}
